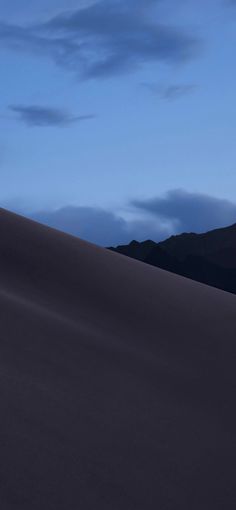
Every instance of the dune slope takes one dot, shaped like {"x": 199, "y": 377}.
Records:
{"x": 117, "y": 380}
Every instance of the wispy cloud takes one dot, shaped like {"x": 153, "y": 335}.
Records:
{"x": 170, "y": 92}
{"x": 40, "y": 116}
{"x": 103, "y": 39}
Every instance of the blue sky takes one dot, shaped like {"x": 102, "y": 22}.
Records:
{"x": 107, "y": 108}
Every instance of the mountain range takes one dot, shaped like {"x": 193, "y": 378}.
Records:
{"x": 209, "y": 258}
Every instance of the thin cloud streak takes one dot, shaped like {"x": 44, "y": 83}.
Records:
{"x": 41, "y": 116}
{"x": 170, "y": 92}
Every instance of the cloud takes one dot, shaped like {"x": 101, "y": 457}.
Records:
{"x": 100, "y": 226}
{"x": 40, "y": 116}
{"x": 189, "y": 212}
{"x": 170, "y": 92}
{"x": 106, "y": 38}
{"x": 158, "y": 218}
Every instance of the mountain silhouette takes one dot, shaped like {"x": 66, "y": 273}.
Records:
{"x": 208, "y": 258}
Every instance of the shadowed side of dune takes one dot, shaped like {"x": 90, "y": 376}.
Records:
{"x": 117, "y": 380}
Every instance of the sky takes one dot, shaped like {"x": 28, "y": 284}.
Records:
{"x": 118, "y": 117}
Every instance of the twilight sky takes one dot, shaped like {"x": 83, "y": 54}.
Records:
{"x": 118, "y": 117}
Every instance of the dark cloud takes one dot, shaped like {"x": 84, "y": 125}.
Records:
{"x": 100, "y": 226}
{"x": 170, "y": 92}
{"x": 106, "y": 38}
{"x": 44, "y": 116}
{"x": 190, "y": 212}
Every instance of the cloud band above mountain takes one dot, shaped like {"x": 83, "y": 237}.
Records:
{"x": 178, "y": 211}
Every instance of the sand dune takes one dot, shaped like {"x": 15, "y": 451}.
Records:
{"x": 117, "y": 380}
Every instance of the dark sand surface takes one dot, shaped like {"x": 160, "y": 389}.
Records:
{"x": 117, "y": 380}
